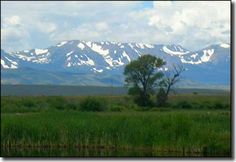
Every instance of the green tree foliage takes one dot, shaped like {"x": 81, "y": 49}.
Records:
{"x": 141, "y": 76}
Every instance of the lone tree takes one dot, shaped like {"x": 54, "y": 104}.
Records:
{"x": 142, "y": 74}
{"x": 166, "y": 84}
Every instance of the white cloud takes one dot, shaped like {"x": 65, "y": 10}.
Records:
{"x": 46, "y": 27}
{"x": 193, "y": 20}
{"x": 14, "y": 36}
{"x": 101, "y": 26}
{"x": 162, "y": 4}
{"x": 192, "y": 24}
{"x": 13, "y": 20}
{"x": 14, "y": 39}
{"x": 55, "y": 21}
{"x": 93, "y": 31}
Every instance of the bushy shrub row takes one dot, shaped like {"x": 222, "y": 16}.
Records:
{"x": 115, "y": 104}
{"x": 35, "y": 104}
{"x": 21, "y": 104}
{"x": 200, "y": 105}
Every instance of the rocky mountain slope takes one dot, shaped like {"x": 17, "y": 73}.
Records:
{"x": 102, "y": 63}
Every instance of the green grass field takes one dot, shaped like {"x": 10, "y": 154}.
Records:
{"x": 191, "y": 125}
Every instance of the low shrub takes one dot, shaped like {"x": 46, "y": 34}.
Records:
{"x": 227, "y": 106}
{"x": 133, "y": 106}
{"x": 219, "y": 105}
{"x": 9, "y": 108}
{"x": 207, "y": 105}
{"x": 92, "y": 104}
{"x": 116, "y": 108}
{"x": 183, "y": 105}
{"x": 30, "y": 103}
{"x": 201, "y": 105}
{"x": 196, "y": 105}
{"x": 161, "y": 109}
{"x": 72, "y": 106}
{"x": 57, "y": 102}
{"x": 14, "y": 108}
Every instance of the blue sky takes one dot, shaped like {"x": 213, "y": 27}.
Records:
{"x": 194, "y": 25}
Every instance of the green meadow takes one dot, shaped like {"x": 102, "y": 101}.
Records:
{"x": 190, "y": 125}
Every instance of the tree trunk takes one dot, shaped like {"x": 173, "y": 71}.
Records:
{"x": 144, "y": 95}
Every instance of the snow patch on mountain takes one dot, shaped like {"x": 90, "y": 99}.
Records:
{"x": 224, "y": 45}
{"x": 190, "y": 62}
{"x": 168, "y": 51}
{"x": 118, "y": 62}
{"x": 86, "y": 61}
{"x": 149, "y": 45}
{"x": 13, "y": 66}
{"x": 98, "y": 70}
{"x": 126, "y": 55}
{"x": 4, "y": 64}
{"x": 105, "y": 53}
{"x": 40, "y": 51}
{"x": 69, "y": 58}
{"x": 194, "y": 55}
{"x": 81, "y": 46}
{"x": 109, "y": 60}
{"x": 98, "y": 49}
{"x": 42, "y": 60}
{"x": 69, "y": 53}
{"x": 140, "y": 45}
{"x": 68, "y": 64}
{"x": 144, "y": 45}
{"x": 25, "y": 58}
{"x": 62, "y": 43}
{"x": 207, "y": 55}
{"x": 83, "y": 60}
{"x": 131, "y": 46}
{"x": 89, "y": 44}
{"x": 13, "y": 62}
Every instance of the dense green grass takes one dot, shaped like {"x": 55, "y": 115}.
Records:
{"x": 173, "y": 131}
{"x": 58, "y": 122}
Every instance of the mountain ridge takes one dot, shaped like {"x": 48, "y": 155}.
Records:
{"x": 109, "y": 58}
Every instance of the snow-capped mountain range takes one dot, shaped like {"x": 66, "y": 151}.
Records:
{"x": 100, "y": 63}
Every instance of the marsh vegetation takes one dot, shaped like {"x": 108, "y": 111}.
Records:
{"x": 191, "y": 125}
